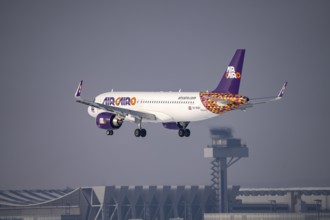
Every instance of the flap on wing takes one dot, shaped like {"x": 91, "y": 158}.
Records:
{"x": 118, "y": 110}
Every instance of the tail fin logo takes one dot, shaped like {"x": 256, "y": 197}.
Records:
{"x": 232, "y": 74}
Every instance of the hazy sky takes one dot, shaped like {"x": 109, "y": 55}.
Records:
{"x": 49, "y": 141}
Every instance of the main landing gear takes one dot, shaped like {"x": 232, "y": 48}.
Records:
{"x": 183, "y": 130}
{"x": 139, "y": 132}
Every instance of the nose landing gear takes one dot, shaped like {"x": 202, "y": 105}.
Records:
{"x": 109, "y": 132}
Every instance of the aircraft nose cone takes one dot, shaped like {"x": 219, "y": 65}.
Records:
{"x": 90, "y": 110}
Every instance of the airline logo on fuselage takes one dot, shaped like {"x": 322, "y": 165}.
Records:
{"x": 232, "y": 74}
{"x": 119, "y": 101}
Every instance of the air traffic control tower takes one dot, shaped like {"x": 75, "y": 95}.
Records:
{"x": 225, "y": 151}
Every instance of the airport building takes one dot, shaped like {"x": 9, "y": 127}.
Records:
{"x": 214, "y": 202}
{"x": 161, "y": 203}
{"x": 111, "y": 202}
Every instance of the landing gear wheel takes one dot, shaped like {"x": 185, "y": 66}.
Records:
{"x": 143, "y": 132}
{"x": 187, "y": 133}
{"x": 137, "y": 132}
{"x": 109, "y": 132}
{"x": 181, "y": 132}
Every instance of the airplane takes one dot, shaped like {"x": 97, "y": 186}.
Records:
{"x": 175, "y": 110}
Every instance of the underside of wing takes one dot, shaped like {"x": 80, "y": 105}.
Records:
{"x": 117, "y": 110}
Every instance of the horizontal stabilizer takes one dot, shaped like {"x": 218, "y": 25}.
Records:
{"x": 262, "y": 100}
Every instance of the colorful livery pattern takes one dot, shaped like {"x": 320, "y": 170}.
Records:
{"x": 219, "y": 103}
{"x": 175, "y": 110}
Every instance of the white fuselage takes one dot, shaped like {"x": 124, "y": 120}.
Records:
{"x": 174, "y": 109}
{"x": 166, "y": 106}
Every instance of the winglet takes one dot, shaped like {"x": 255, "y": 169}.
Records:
{"x": 281, "y": 93}
{"x": 78, "y": 91}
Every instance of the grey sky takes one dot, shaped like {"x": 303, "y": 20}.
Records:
{"x": 46, "y": 47}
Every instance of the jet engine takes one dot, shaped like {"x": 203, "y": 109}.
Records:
{"x": 108, "y": 121}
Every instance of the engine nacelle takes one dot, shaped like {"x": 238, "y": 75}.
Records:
{"x": 108, "y": 121}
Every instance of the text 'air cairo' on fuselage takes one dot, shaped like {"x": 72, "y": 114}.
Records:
{"x": 175, "y": 110}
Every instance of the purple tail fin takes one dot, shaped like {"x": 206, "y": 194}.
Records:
{"x": 231, "y": 79}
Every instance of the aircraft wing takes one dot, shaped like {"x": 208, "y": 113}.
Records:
{"x": 113, "y": 109}
{"x": 262, "y": 100}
